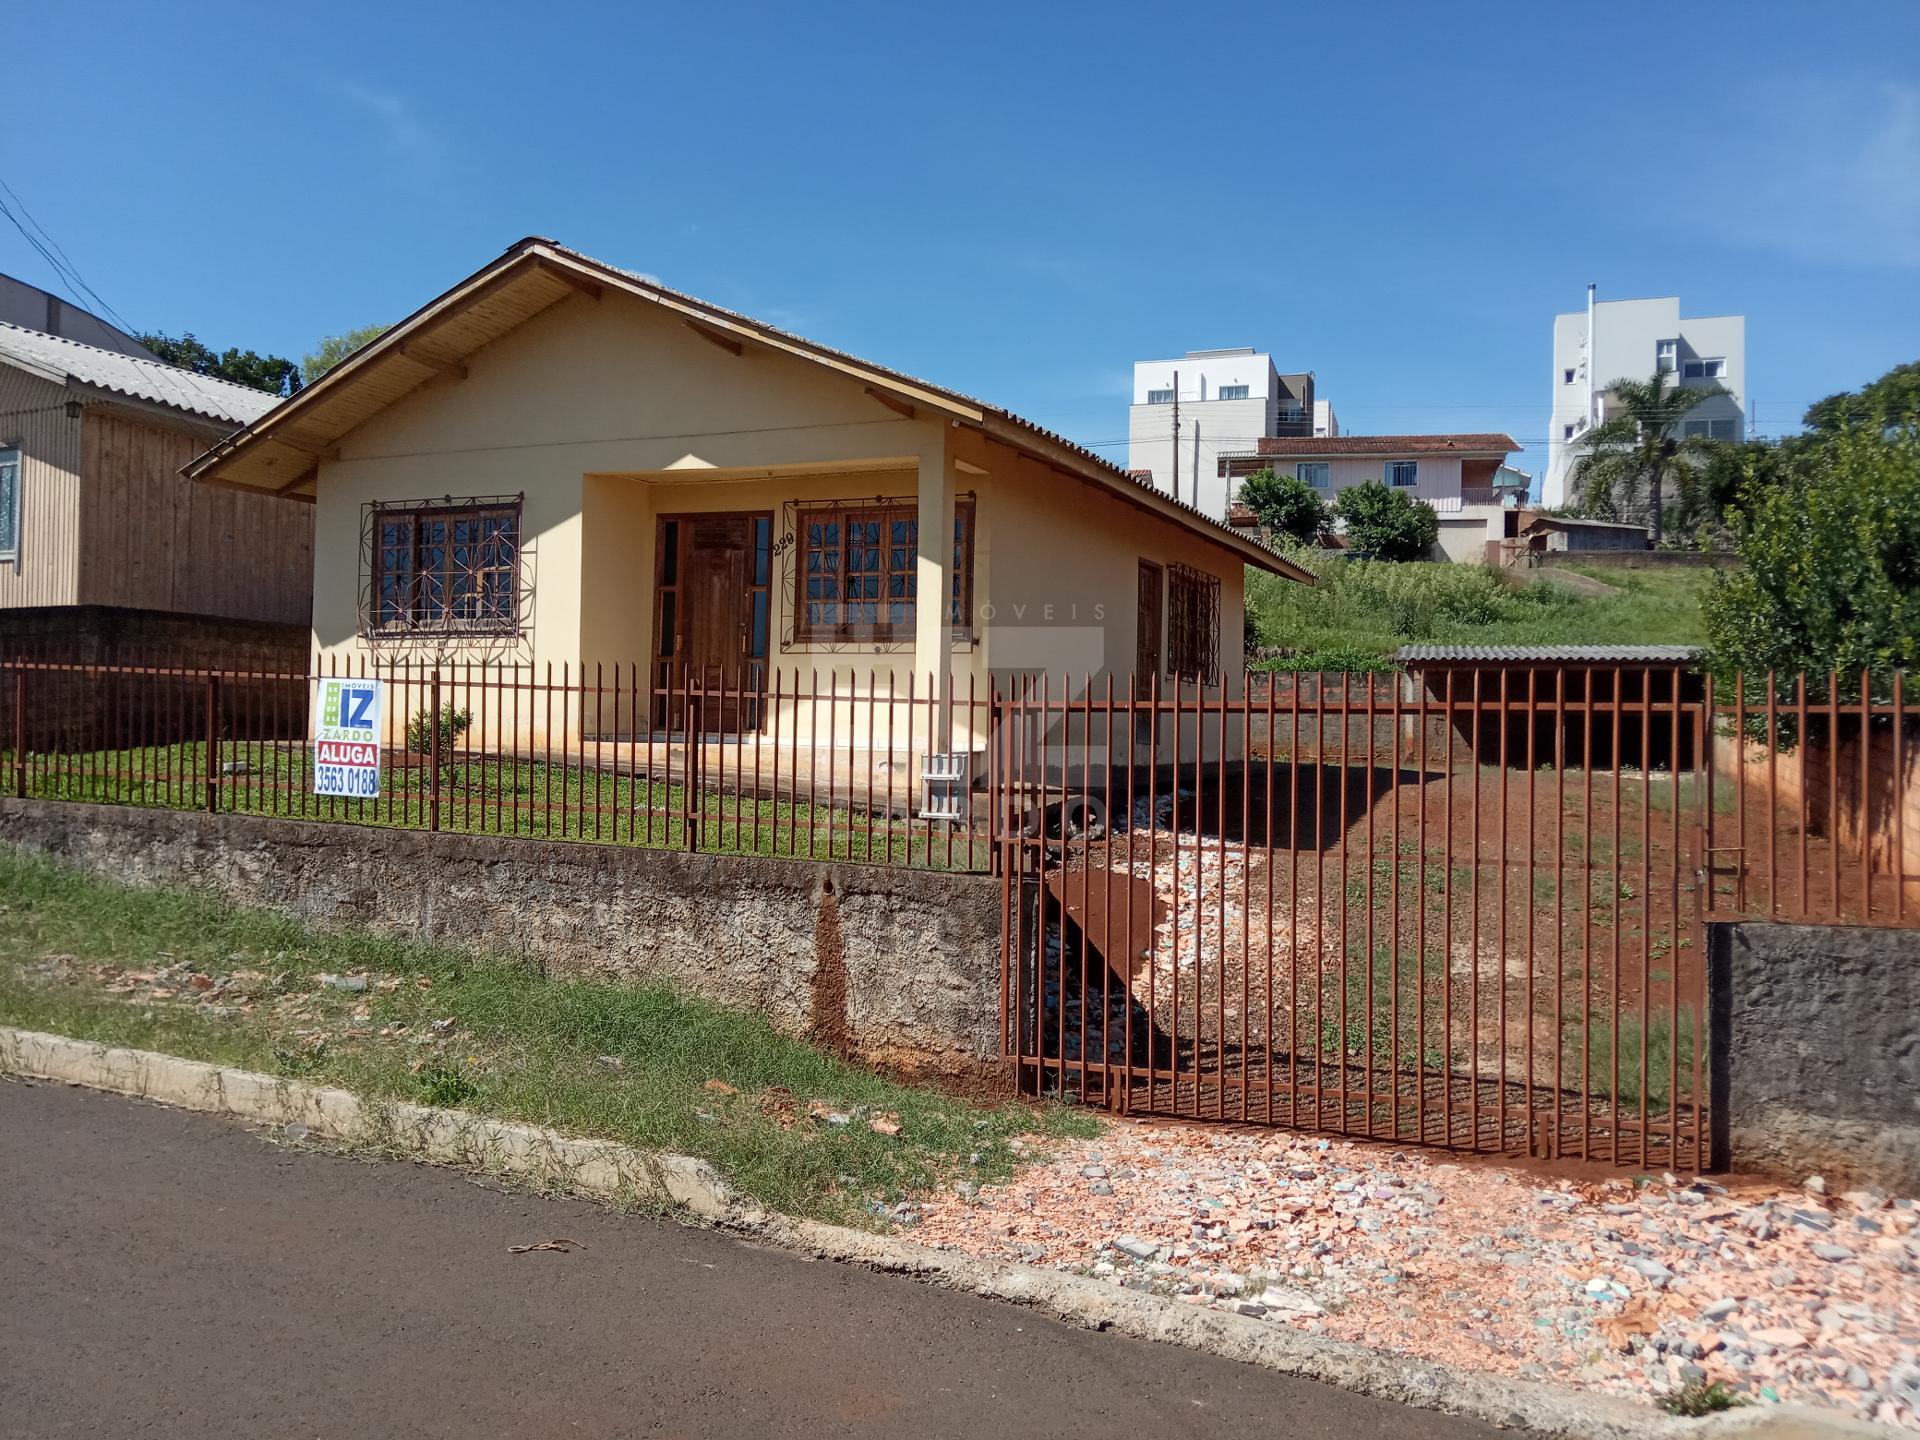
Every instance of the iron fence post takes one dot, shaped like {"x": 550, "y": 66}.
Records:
{"x": 213, "y": 742}
{"x": 433, "y": 755}
{"x": 20, "y": 733}
{"x": 692, "y": 798}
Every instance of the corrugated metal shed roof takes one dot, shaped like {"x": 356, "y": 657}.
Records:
{"x": 1504, "y": 654}
{"x": 72, "y": 361}
{"x": 1580, "y": 522}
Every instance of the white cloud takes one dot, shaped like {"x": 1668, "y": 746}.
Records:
{"x": 405, "y": 133}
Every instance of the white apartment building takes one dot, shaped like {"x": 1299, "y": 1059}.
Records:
{"x": 1227, "y": 401}
{"x": 1618, "y": 339}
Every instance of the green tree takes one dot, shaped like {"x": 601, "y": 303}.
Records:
{"x": 1830, "y": 579}
{"x": 1385, "y": 523}
{"x": 1892, "y": 400}
{"x": 271, "y": 373}
{"x": 1640, "y": 453}
{"x": 1286, "y": 505}
{"x": 332, "y": 349}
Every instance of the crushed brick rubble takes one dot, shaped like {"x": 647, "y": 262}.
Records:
{"x": 1634, "y": 1286}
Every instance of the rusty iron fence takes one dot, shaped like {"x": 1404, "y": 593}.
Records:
{"x": 1464, "y": 908}
{"x": 783, "y": 763}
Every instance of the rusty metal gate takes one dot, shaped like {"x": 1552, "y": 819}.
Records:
{"x": 1459, "y": 908}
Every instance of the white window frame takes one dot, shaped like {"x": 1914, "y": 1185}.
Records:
{"x": 1231, "y": 392}
{"x": 1567, "y": 375}
{"x": 1566, "y": 431}
{"x": 1696, "y": 429}
{"x": 1706, "y": 367}
{"x": 1388, "y": 473}
{"x": 10, "y": 455}
{"x": 1666, "y": 356}
{"x": 1160, "y": 397}
{"x": 1306, "y": 469}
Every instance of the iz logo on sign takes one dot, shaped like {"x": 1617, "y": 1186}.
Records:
{"x": 349, "y": 707}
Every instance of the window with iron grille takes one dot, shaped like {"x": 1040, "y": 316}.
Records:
{"x": 858, "y": 577}
{"x": 448, "y": 567}
{"x": 1193, "y": 625}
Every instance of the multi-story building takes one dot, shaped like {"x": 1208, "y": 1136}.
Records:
{"x": 1223, "y": 402}
{"x": 1630, "y": 339}
{"x": 1465, "y": 478}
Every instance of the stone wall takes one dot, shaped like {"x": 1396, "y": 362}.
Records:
{"x": 892, "y": 967}
{"x": 1816, "y": 1051}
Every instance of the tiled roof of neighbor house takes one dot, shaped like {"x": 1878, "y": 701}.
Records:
{"x": 487, "y": 304}
{"x": 1498, "y": 654}
{"x": 1310, "y": 446}
{"x": 64, "y": 361}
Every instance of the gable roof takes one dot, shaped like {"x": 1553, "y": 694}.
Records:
{"x": 280, "y": 451}
{"x": 75, "y": 363}
{"x": 1310, "y": 447}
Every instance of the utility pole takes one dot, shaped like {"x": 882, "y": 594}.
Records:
{"x": 1176, "y": 434}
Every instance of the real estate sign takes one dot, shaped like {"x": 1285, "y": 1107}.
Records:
{"x": 346, "y": 737}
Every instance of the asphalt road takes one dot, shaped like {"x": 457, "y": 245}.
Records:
{"x": 167, "y": 1274}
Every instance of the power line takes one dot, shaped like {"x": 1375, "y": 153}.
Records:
{"x": 64, "y": 267}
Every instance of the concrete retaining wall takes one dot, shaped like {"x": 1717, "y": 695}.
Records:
{"x": 894, "y": 967}
{"x": 1816, "y": 1051}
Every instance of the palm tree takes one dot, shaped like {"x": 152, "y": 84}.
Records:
{"x": 1641, "y": 448}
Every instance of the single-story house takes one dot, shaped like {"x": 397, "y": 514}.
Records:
{"x": 1464, "y": 477}
{"x": 559, "y": 461}
{"x": 107, "y": 553}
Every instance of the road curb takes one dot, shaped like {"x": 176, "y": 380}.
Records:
{"x": 611, "y": 1171}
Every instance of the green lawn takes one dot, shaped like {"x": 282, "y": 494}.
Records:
{"x": 176, "y": 972}
{"x": 494, "y": 796}
{"x": 1362, "y": 611}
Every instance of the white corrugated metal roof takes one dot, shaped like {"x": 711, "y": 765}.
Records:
{"x": 1495, "y": 654}
{"x": 65, "y": 361}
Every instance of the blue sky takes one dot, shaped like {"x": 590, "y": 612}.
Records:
{"x": 1017, "y": 200}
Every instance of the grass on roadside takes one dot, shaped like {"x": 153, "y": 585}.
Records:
{"x": 178, "y": 972}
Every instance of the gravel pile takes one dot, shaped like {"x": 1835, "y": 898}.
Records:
{"x": 1620, "y": 1285}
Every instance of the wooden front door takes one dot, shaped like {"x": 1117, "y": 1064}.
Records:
{"x": 712, "y": 623}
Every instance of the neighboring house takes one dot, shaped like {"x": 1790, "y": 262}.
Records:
{"x": 558, "y": 461}
{"x": 1464, "y": 477}
{"x": 107, "y": 552}
{"x": 1226, "y": 400}
{"x": 32, "y": 308}
{"x": 1618, "y": 339}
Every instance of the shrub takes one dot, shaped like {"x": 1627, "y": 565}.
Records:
{"x": 1287, "y": 506}
{"x": 1830, "y": 579}
{"x": 452, "y": 725}
{"x": 1384, "y": 523}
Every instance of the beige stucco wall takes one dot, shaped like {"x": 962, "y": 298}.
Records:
{"x": 609, "y": 414}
